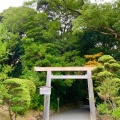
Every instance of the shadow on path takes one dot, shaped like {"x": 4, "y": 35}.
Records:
{"x": 76, "y": 114}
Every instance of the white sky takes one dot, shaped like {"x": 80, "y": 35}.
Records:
{"x": 102, "y": 1}
{"x": 4, "y": 4}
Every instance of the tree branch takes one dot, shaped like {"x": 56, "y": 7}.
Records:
{"x": 71, "y": 8}
{"x": 111, "y": 32}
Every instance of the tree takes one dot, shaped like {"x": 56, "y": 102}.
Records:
{"x": 60, "y": 10}
{"x": 93, "y": 59}
{"x": 5, "y": 52}
{"x": 18, "y": 18}
{"x": 108, "y": 86}
{"x": 16, "y": 94}
{"x": 99, "y": 28}
{"x": 92, "y": 42}
{"x": 99, "y": 17}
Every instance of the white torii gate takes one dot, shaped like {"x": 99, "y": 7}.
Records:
{"x": 51, "y": 76}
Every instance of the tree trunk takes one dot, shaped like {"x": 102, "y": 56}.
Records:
{"x": 10, "y": 112}
{"x": 15, "y": 115}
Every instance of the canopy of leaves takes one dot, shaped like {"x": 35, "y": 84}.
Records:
{"x": 99, "y": 17}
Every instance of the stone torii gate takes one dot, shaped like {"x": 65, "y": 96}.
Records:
{"x": 50, "y": 76}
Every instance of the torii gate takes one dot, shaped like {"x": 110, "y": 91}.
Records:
{"x": 50, "y": 76}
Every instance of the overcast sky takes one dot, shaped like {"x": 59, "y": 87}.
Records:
{"x": 4, "y": 4}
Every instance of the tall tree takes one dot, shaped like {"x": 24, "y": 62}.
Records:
{"x": 103, "y": 17}
{"x": 92, "y": 42}
{"x": 98, "y": 25}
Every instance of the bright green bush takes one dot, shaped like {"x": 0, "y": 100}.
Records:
{"x": 16, "y": 94}
{"x": 108, "y": 86}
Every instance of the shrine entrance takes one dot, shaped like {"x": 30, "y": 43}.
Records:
{"x": 50, "y": 76}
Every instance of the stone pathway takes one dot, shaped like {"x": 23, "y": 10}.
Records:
{"x": 77, "y": 114}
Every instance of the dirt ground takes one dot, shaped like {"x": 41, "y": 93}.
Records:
{"x": 29, "y": 115}
{"x": 105, "y": 117}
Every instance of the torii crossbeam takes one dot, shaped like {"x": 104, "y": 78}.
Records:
{"x": 87, "y": 76}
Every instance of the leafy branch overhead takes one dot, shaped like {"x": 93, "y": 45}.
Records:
{"x": 99, "y": 18}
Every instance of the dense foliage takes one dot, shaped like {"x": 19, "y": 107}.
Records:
{"x": 56, "y": 33}
{"x": 107, "y": 84}
{"x": 16, "y": 94}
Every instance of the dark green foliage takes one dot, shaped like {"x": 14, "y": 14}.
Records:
{"x": 92, "y": 42}
{"x": 69, "y": 91}
{"x": 37, "y": 101}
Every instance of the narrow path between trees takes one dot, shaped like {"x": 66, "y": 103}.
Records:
{"x": 76, "y": 114}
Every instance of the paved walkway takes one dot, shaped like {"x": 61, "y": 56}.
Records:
{"x": 77, "y": 114}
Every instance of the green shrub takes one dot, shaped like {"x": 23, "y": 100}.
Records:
{"x": 16, "y": 94}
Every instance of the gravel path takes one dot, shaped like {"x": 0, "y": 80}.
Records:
{"x": 77, "y": 114}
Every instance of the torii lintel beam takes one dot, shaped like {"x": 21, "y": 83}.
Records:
{"x": 63, "y": 68}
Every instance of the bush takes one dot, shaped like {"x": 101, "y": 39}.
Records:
{"x": 108, "y": 86}
{"x": 16, "y": 94}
